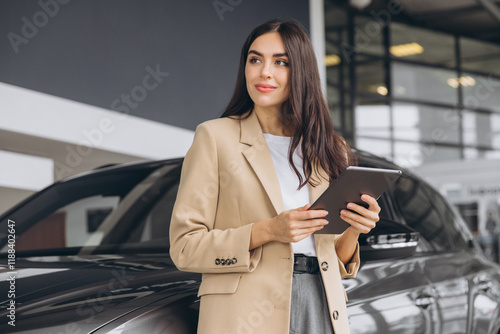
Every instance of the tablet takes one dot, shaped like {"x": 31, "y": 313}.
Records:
{"x": 348, "y": 187}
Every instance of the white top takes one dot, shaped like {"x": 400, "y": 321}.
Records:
{"x": 289, "y": 182}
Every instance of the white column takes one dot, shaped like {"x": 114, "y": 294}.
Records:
{"x": 317, "y": 29}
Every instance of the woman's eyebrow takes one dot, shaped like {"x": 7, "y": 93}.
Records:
{"x": 284, "y": 54}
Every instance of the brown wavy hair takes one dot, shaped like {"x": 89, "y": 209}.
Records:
{"x": 306, "y": 111}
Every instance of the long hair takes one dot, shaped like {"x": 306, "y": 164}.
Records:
{"x": 305, "y": 111}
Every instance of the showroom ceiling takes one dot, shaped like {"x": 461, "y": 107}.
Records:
{"x": 474, "y": 18}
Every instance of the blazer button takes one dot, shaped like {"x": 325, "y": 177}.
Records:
{"x": 324, "y": 266}
{"x": 335, "y": 315}
{"x": 233, "y": 261}
{"x": 217, "y": 262}
{"x": 223, "y": 262}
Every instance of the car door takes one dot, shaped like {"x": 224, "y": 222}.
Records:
{"x": 470, "y": 283}
{"x": 384, "y": 297}
{"x": 390, "y": 294}
{"x": 441, "y": 264}
{"x": 461, "y": 285}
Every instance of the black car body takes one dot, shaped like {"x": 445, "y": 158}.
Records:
{"x": 89, "y": 254}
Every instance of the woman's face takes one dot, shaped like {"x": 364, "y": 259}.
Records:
{"x": 267, "y": 71}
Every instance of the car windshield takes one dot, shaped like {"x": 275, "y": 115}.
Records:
{"x": 111, "y": 211}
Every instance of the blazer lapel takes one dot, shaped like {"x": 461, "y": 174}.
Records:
{"x": 258, "y": 156}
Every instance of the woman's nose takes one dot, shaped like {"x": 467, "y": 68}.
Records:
{"x": 266, "y": 71}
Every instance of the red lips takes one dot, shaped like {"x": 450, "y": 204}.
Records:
{"x": 264, "y": 88}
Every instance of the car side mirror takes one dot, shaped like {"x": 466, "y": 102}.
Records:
{"x": 389, "y": 240}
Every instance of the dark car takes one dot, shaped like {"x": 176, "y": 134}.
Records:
{"x": 89, "y": 254}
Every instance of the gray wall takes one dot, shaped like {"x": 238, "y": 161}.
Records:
{"x": 97, "y": 51}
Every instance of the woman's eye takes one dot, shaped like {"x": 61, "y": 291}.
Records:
{"x": 281, "y": 63}
{"x": 253, "y": 61}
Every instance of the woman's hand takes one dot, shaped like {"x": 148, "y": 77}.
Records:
{"x": 289, "y": 226}
{"x": 363, "y": 220}
{"x": 297, "y": 224}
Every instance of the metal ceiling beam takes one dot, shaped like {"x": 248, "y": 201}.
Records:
{"x": 491, "y": 7}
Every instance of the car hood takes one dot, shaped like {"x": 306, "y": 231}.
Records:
{"x": 84, "y": 292}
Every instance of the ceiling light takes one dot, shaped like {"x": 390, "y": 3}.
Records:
{"x": 464, "y": 81}
{"x": 467, "y": 81}
{"x": 453, "y": 82}
{"x": 360, "y": 4}
{"x": 404, "y": 50}
{"x": 332, "y": 60}
{"x": 382, "y": 90}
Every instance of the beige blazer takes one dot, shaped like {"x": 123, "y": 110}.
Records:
{"x": 228, "y": 182}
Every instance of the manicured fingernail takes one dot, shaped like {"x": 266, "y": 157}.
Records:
{"x": 350, "y": 206}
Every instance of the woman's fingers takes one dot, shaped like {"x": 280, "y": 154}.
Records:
{"x": 295, "y": 225}
{"x": 372, "y": 203}
{"x": 307, "y": 229}
{"x": 360, "y": 223}
{"x": 302, "y": 214}
{"x": 362, "y": 219}
{"x": 373, "y": 208}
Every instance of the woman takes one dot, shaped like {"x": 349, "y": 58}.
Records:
{"x": 241, "y": 215}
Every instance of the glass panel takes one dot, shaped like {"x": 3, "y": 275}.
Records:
{"x": 371, "y": 75}
{"x": 334, "y": 106}
{"x": 492, "y": 154}
{"x": 474, "y": 153}
{"x": 411, "y": 43}
{"x": 337, "y": 70}
{"x": 333, "y": 96}
{"x": 419, "y": 122}
{"x": 420, "y": 214}
{"x": 481, "y": 92}
{"x": 481, "y": 129}
{"x": 368, "y": 36}
{"x": 471, "y": 153}
{"x": 346, "y": 78}
{"x": 423, "y": 83}
{"x": 379, "y": 147}
{"x": 332, "y": 72}
{"x": 479, "y": 56}
{"x": 373, "y": 121}
{"x": 335, "y": 23}
{"x": 410, "y": 155}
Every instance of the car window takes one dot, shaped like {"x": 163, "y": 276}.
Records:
{"x": 153, "y": 227}
{"x": 69, "y": 226}
{"x": 419, "y": 213}
{"x": 84, "y": 211}
{"x": 454, "y": 227}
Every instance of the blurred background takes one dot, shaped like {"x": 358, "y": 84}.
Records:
{"x": 89, "y": 83}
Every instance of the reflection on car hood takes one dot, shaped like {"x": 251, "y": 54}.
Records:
{"x": 64, "y": 294}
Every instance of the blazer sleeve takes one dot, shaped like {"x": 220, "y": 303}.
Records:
{"x": 350, "y": 269}
{"x": 195, "y": 245}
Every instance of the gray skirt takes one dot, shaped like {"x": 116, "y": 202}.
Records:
{"x": 309, "y": 309}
